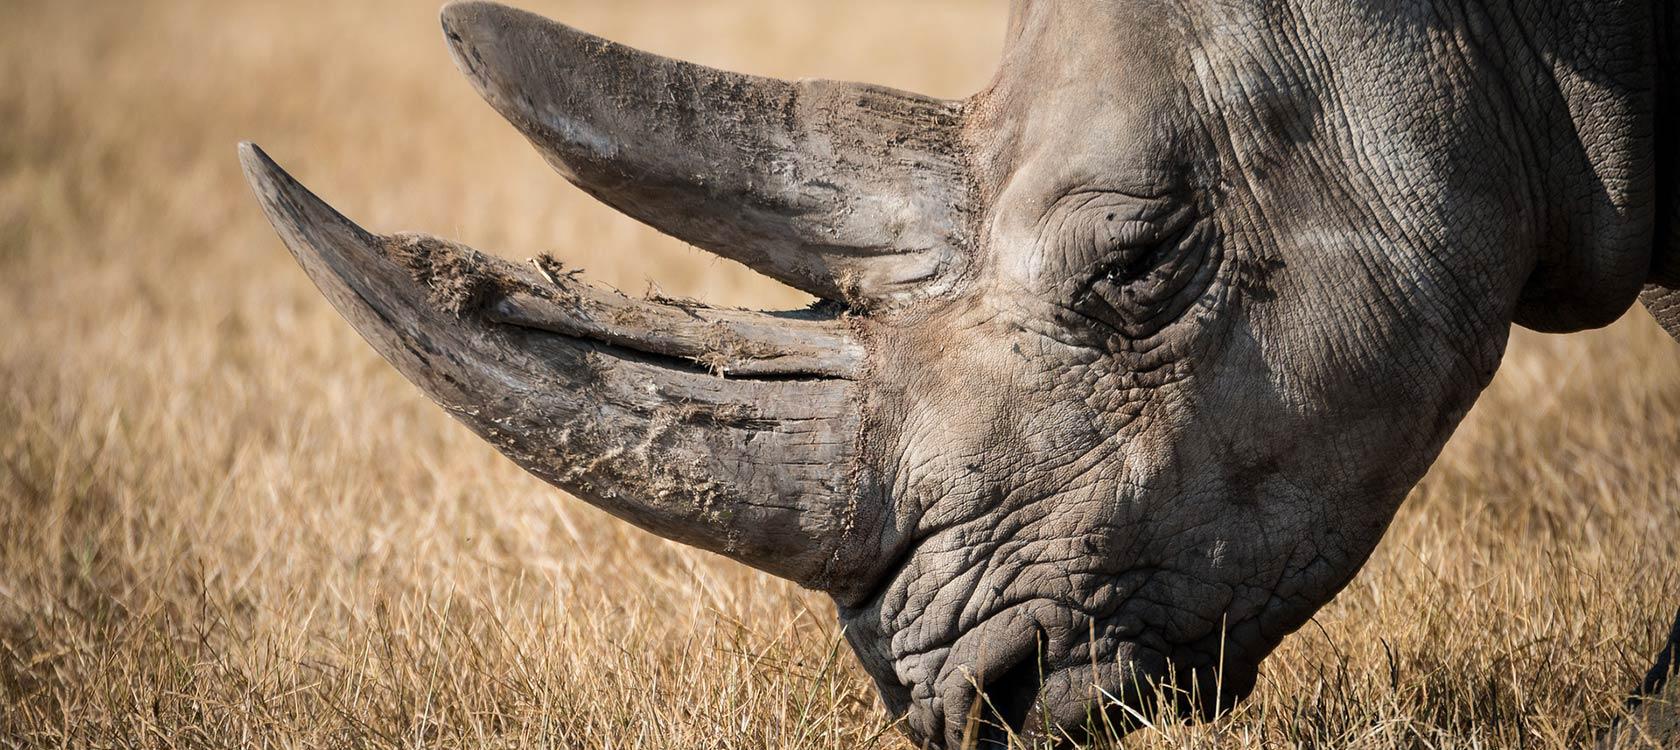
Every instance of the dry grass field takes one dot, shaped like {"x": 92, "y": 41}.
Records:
{"x": 224, "y": 521}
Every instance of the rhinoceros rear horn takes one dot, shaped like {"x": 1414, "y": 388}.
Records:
{"x": 729, "y": 430}
{"x": 850, "y": 192}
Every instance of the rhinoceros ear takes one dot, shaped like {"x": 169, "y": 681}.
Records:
{"x": 851, "y": 192}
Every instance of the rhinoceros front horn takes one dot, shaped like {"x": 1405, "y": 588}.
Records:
{"x": 728, "y": 430}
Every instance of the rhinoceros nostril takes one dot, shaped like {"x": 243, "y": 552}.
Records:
{"x": 1008, "y": 699}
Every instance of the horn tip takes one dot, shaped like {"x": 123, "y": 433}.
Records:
{"x": 254, "y": 160}
{"x": 459, "y": 16}
{"x": 303, "y": 220}
{"x": 457, "y": 9}
{"x": 276, "y": 190}
{"x": 490, "y": 41}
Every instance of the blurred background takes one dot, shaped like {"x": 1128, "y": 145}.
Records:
{"x": 227, "y": 521}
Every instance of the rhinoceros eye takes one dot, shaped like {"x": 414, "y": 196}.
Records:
{"x": 1140, "y": 270}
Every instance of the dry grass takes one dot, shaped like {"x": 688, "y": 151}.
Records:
{"x": 226, "y": 522}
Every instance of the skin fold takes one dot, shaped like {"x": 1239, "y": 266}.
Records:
{"x": 1122, "y": 366}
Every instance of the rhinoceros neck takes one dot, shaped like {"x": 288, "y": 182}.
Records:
{"x": 1665, "y": 270}
{"x": 1583, "y": 75}
{"x": 1668, "y": 58}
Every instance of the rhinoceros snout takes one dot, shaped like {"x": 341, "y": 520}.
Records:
{"x": 1027, "y": 690}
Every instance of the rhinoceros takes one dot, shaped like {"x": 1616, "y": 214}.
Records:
{"x": 1119, "y": 368}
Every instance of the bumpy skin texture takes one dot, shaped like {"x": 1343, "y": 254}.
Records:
{"x": 1339, "y": 210}
{"x": 1143, "y": 345}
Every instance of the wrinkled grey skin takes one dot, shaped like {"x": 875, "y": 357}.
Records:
{"x": 1128, "y": 360}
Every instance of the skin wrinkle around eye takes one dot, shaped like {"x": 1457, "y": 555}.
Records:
{"x": 1160, "y": 232}
{"x": 1140, "y": 298}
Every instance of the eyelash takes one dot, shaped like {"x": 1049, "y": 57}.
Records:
{"x": 1144, "y": 256}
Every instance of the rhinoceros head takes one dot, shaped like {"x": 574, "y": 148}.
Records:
{"x": 1121, "y": 367}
